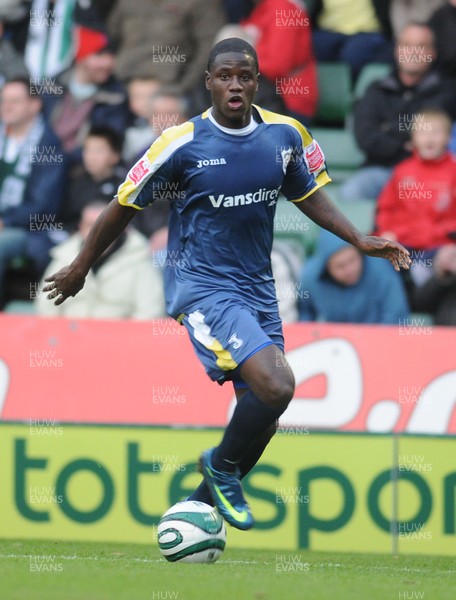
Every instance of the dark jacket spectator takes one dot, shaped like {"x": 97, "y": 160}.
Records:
{"x": 383, "y": 116}
{"x": 443, "y": 24}
{"x": 438, "y": 298}
{"x": 438, "y": 294}
{"x": 32, "y": 175}
{"x": 337, "y": 284}
{"x": 97, "y": 178}
{"x": 91, "y": 96}
{"x": 165, "y": 39}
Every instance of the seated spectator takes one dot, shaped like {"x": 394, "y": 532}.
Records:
{"x": 438, "y": 295}
{"x": 32, "y": 176}
{"x": 280, "y": 31}
{"x": 383, "y": 116}
{"x": 141, "y": 91}
{"x": 122, "y": 283}
{"x": 91, "y": 95}
{"x": 352, "y": 31}
{"x": 99, "y": 176}
{"x": 12, "y": 64}
{"x": 166, "y": 40}
{"x": 443, "y": 24}
{"x": 168, "y": 110}
{"x": 403, "y": 12}
{"x": 418, "y": 205}
{"x": 337, "y": 283}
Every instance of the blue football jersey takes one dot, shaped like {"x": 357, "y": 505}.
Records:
{"x": 223, "y": 191}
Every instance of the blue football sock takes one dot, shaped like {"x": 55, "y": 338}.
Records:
{"x": 249, "y": 460}
{"x": 251, "y": 419}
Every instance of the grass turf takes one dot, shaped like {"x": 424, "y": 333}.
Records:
{"x": 38, "y": 570}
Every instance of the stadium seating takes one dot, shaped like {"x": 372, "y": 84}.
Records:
{"x": 342, "y": 154}
{"x": 292, "y": 225}
{"x": 335, "y": 93}
{"x": 370, "y": 73}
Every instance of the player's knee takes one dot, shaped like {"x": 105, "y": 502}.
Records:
{"x": 278, "y": 392}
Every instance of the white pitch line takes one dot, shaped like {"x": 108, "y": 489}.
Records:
{"x": 225, "y": 561}
{"x": 99, "y": 558}
{"x": 112, "y": 559}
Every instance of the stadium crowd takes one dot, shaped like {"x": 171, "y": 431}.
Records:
{"x": 87, "y": 86}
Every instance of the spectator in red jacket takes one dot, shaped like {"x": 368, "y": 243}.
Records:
{"x": 280, "y": 32}
{"x": 283, "y": 41}
{"x": 417, "y": 207}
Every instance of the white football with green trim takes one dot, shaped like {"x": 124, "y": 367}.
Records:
{"x": 192, "y": 532}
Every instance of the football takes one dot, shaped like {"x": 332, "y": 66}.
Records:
{"x": 191, "y": 532}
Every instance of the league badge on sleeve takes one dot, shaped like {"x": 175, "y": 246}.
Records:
{"x": 314, "y": 157}
{"x": 139, "y": 171}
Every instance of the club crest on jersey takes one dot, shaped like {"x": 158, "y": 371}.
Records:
{"x": 209, "y": 162}
{"x": 139, "y": 171}
{"x": 286, "y": 157}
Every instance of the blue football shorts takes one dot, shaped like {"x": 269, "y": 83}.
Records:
{"x": 225, "y": 332}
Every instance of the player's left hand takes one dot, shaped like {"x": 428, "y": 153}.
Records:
{"x": 398, "y": 256}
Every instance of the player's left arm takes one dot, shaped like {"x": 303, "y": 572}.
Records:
{"x": 320, "y": 208}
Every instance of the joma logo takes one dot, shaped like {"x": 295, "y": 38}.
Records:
{"x": 208, "y": 162}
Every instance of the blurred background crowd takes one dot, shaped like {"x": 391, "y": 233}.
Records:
{"x": 87, "y": 85}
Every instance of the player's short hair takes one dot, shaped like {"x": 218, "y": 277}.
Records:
{"x": 232, "y": 45}
{"x": 432, "y": 112}
{"x": 111, "y": 136}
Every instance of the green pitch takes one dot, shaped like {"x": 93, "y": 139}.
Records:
{"x": 95, "y": 571}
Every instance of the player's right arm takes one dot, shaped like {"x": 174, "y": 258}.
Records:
{"x": 109, "y": 225}
{"x": 144, "y": 183}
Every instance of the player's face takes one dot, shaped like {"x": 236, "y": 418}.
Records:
{"x": 232, "y": 81}
{"x": 345, "y": 266}
{"x": 431, "y": 138}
